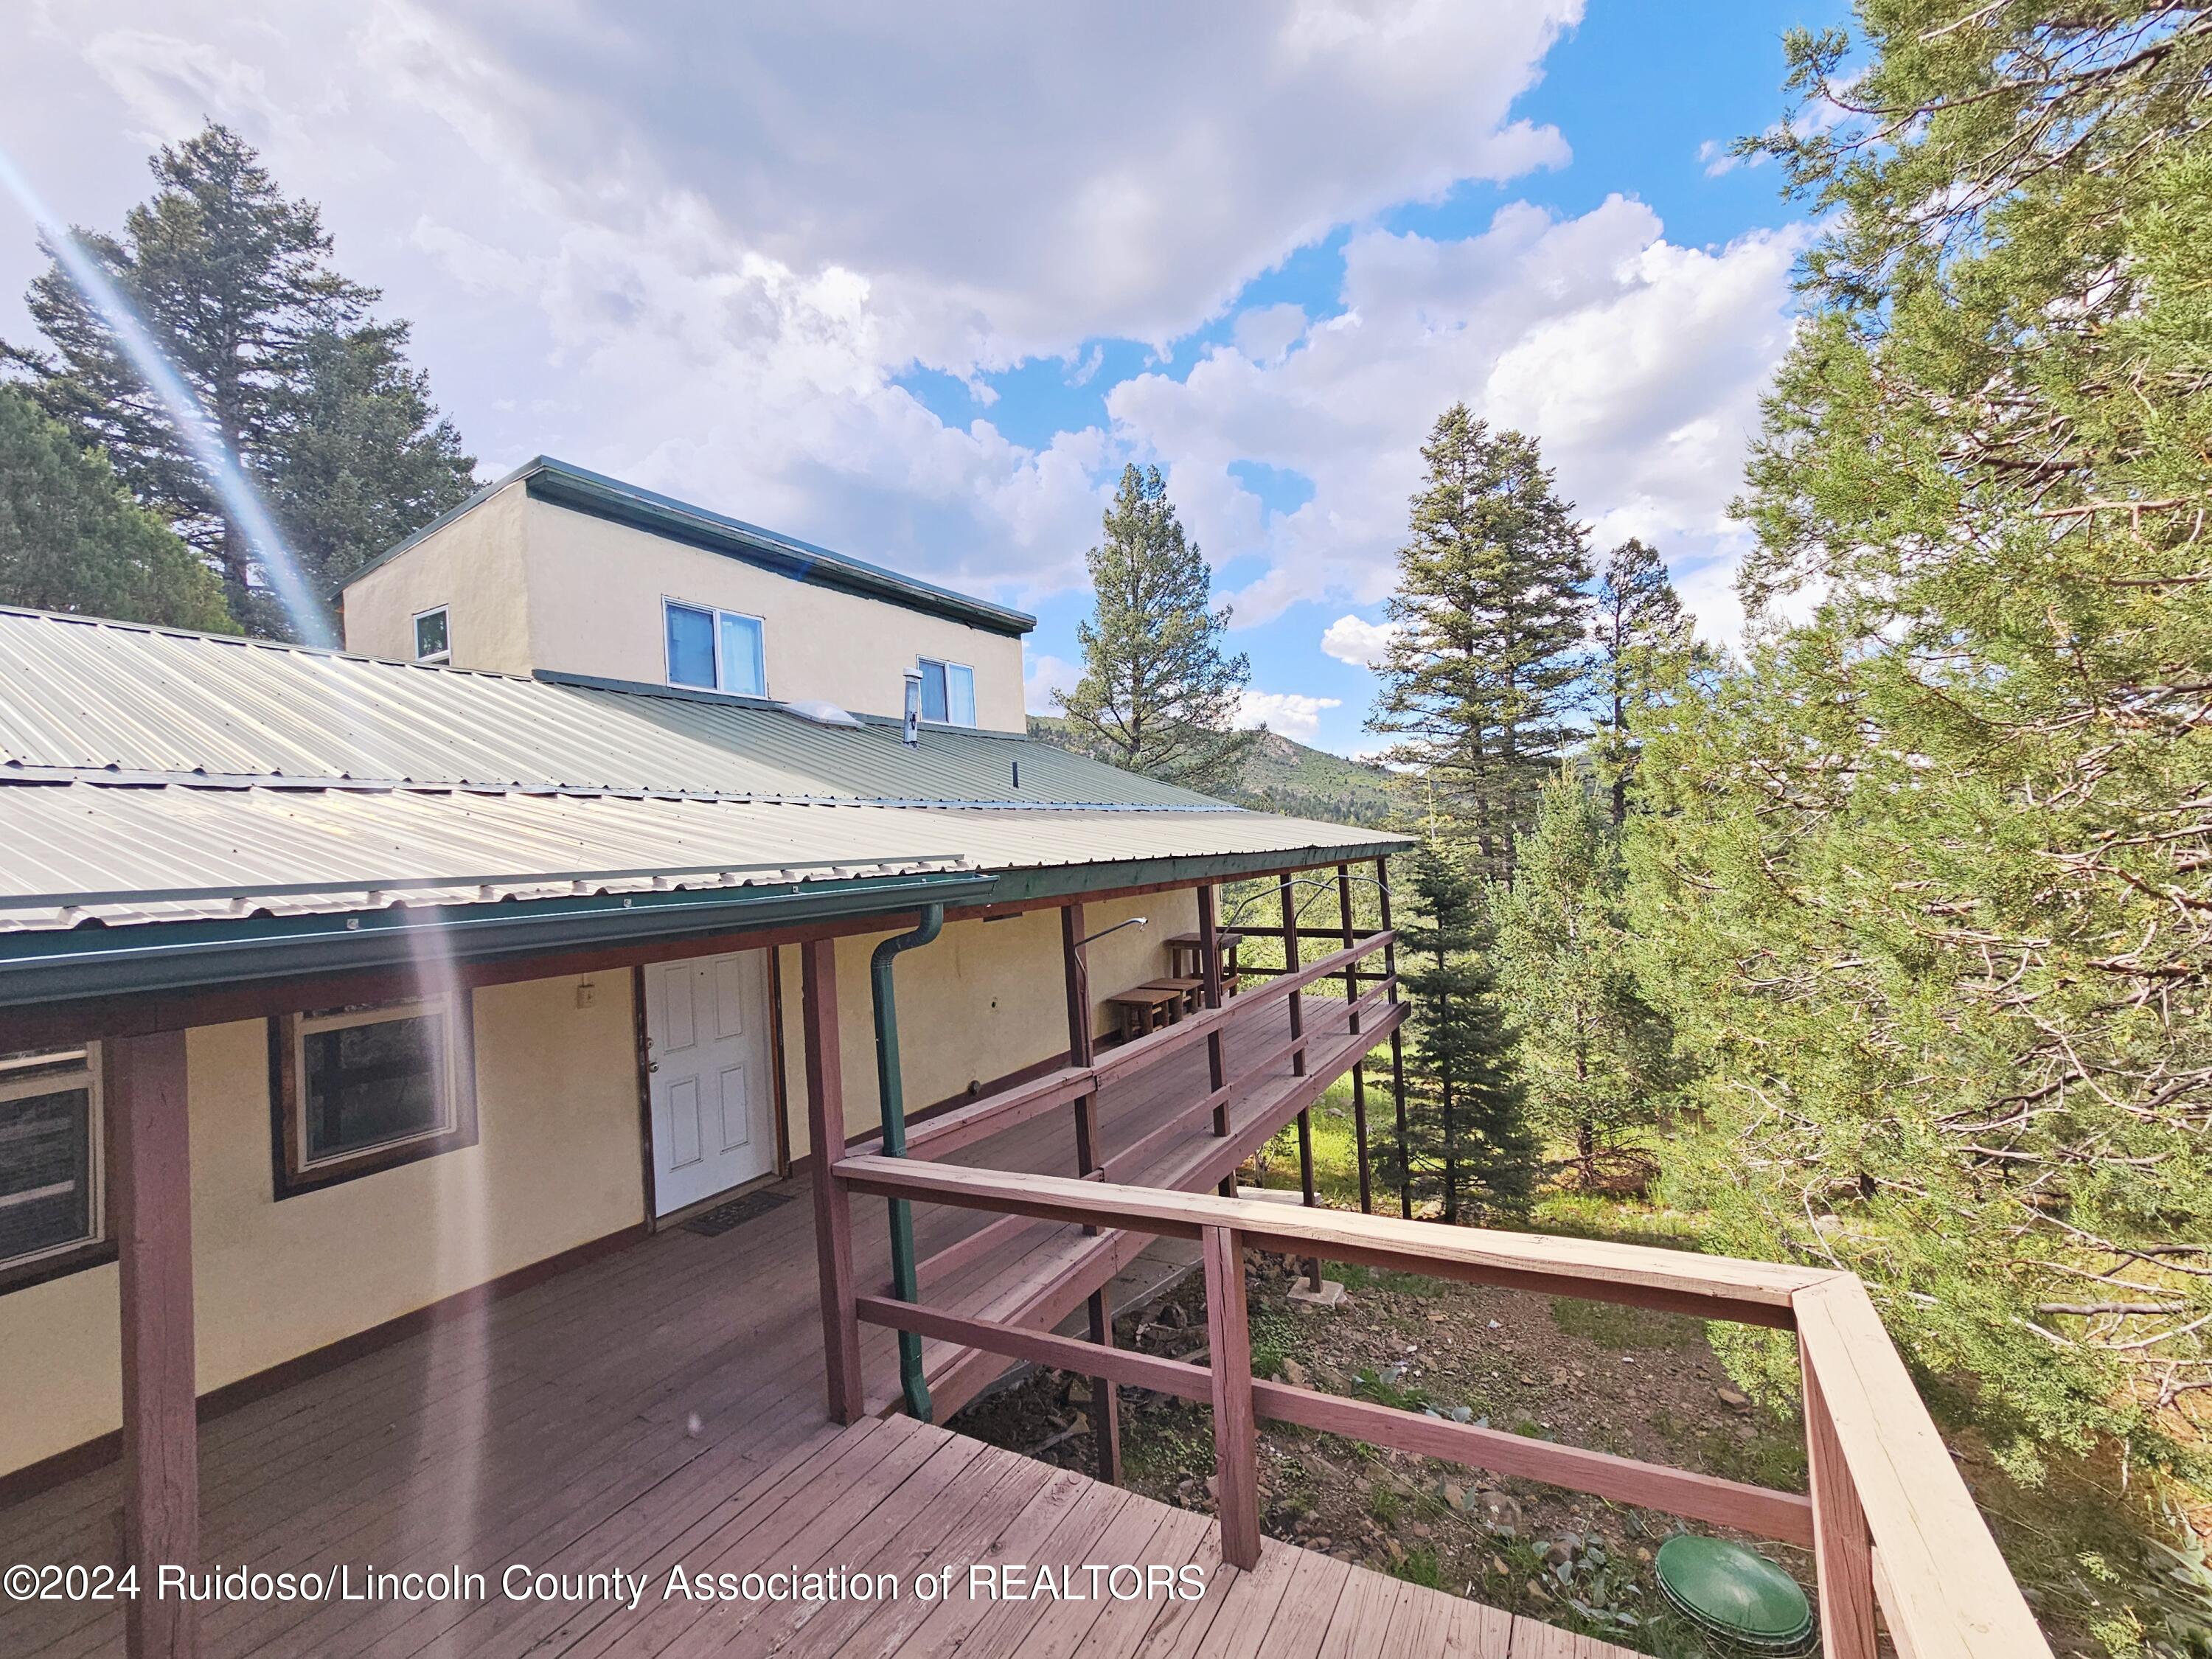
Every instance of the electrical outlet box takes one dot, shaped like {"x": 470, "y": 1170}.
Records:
{"x": 587, "y": 994}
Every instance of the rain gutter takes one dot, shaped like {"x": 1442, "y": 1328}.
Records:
{"x": 892, "y": 1090}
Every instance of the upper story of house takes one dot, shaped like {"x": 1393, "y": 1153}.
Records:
{"x": 556, "y": 570}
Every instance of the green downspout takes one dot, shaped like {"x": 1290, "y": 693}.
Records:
{"x": 893, "y": 1095}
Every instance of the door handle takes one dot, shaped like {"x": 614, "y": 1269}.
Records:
{"x": 652, "y": 1065}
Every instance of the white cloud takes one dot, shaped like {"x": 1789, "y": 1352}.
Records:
{"x": 1266, "y": 332}
{"x": 1350, "y": 639}
{"x": 1290, "y": 713}
{"x": 1043, "y": 678}
{"x": 1636, "y": 362}
{"x": 1719, "y": 158}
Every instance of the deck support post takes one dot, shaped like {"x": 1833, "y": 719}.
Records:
{"x": 1082, "y": 1049}
{"x": 153, "y": 1195}
{"x": 1284, "y": 889}
{"x": 1843, "y": 1545}
{"x": 1397, "y": 1049}
{"x": 1216, "y": 1073}
{"x": 1359, "y": 1065}
{"x": 1236, "y": 1430}
{"x": 833, "y": 1208}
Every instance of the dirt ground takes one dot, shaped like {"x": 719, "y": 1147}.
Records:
{"x": 1613, "y": 1379}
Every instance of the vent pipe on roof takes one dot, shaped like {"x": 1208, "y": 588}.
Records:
{"x": 913, "y": 733}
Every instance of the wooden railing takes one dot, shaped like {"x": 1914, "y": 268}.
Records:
{"x": 1891, "y": 1524}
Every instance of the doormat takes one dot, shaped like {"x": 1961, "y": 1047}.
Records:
{"x": 712, "y": 1224}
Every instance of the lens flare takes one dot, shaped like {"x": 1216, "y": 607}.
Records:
{"x": 240, "y": 503}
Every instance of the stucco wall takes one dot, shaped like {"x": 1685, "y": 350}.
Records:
{"x": 556, "y": 1165}
{"x": 473, "y": 567}
{"x": 984, "y": 1001}
{"x": 595, "y": 607}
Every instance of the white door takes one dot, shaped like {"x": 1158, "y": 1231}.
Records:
{"x": 713, "y": 1098}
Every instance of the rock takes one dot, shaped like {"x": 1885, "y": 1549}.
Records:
{"x": 1735, "y": 1399}
{"x": 1078, "y": 1391}
{"x": 1557, "y": 1554}
{"x": 1421, "y": 1529}
{"x": 1321, "y": 1541}
{"x": 1536, "y": 1590}
{"x": 1455, "y": 1495}
{"x": 1293, "y": 1373}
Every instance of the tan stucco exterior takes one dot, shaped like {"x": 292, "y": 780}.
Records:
{"x": 474, "y": 568}
{"x": 534, "y": 586}
{"x": 556, "y": 1165}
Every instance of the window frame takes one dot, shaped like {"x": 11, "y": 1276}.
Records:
{"x": 293, "y": 1173}
{"x": 716, "y": 615}
{"x": 948, "y": 665}
{"x": 98, "y": 1247}
{"x": 441, "y": 658}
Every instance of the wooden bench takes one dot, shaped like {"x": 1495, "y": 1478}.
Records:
{"x": 1144, "y": 1008}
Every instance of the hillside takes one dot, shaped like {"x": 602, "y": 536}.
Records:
{"x": 1283, "y": 775}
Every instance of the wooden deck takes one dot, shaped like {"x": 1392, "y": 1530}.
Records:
{"x": 665, "y": 1405}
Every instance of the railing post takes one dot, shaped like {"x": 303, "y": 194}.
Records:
{"x": 1359, "y": 1066}
{"x": 1397, "y": 1049}
{"x": 1299, "y": 1063}
{"x": 1105, "y": 1401}
{"x": 1843, "y": 1547}
{"x": 1217, "y": 1070}
{"x": 1236, "y": 1432}
{"x": 833, "y": 1208}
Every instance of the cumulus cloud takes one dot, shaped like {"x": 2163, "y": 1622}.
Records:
{"x": 1352, "y": 640}
{"x": 1290, "y": 713}
{"x": 1636, "y": 362}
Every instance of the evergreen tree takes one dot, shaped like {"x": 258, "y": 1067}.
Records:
{"x": 1487, "y": 657}
{"x": 1600, "y": 1060}
{"x": 72, "y": 539}
{"x": 1930, "y": 879}
{"x": 1644, "y": 641}
{"x": 307, "y": 396}
{"x": 1469, "y": 1147}
{"x": 1157, "y": 696}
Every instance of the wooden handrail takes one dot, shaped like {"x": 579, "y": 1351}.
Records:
{"x": 1713, "y": 1287}
{"x": 1001, "y": 1111}
{"x": 1892, "y": 1524}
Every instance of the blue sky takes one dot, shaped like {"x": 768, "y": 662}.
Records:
{"x": 919, "y": 288}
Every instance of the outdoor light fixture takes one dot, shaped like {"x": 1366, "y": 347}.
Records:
{"x": 1133, "y": 921}
{"x": 912, "y": 706}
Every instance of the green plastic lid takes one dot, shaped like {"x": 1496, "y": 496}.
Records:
{"x": 1734, "y": 1592}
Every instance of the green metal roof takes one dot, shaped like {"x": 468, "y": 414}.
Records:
{"x": 581, "y": 491}
{"x": 174, "y": 805}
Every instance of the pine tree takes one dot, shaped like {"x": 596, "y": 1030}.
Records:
{"x": 1930, "y": 880}
{"x": 1600, "y": 1060}
{"x": 1488, "y": 656}
{"x": 305, "y": 394}
{"x": 1157, "y": 696}
{"x": 1645, "y": 642}
{"x": 72, "y": 539}
{"x": 1469, "y": 1147}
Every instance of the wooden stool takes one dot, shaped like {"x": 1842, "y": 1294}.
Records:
{"x": 1186, "y": 958}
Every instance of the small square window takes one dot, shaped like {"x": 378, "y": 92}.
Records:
{"x": 432, "y": 641}
{"x": 363, "y": 1089}
{"x": 948, "y": 692}
{"x": 715, "y": 650}
{"x": 51, "y": 1218}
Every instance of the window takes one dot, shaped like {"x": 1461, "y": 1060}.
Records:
{"x": 432, "y": 641}
{"x": 363, "y": 1089}
{"x": 715, "y": 650}
{"x": 50, "y": 1209}
{"x": 948, "y": 692}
